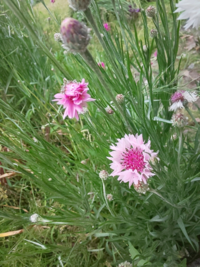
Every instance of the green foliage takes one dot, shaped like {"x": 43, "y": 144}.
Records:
{"x": 46, "y": 152}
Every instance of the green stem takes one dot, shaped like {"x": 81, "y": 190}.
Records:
{"x": 90, "y": 18}
{"x": 193, "y": 118}
{"x": 49, "y": 12}
{"x": 89, "y": 59}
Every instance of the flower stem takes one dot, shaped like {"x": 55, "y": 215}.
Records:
{"x": 89, "y": 59}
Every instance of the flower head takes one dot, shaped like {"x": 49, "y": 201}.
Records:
{"x": 75, "y": 35}
{"x": 131, "y": 159}
{"x": 141, "y": 188}
{"x": 106, "y": 26}
{"x": 52, "y": 1}
{"x": 73, "y": 98}
{"x": 191, "y": 12}
{"x": 178, "y": 98}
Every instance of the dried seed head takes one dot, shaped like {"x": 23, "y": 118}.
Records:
{"x": 103, "y": 174}
{"x": 151, "y": 11}
{"x": 119, "y": 98}
{"x": 75, "y": 35}
{"x": 79, "y": 5}
{"x": 153, "y": 33}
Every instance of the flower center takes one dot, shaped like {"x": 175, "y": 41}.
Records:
{"x": 133, "y": 159}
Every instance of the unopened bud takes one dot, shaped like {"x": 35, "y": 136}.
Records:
{"x": 109, "y": 110}
{"x": 58, "y": 37}
{"x": 119, "y": 98}
{"x": 151, "y": 11}
{"x": 103, "y": 174}
{"x": 153, "y": 33}
{"x": 75, "y": 35}
{"x": 109, "y": 197}
{"x": 179, "y": 120}
{"x": 144, "y": 48}
{"x": 141, "y": 187}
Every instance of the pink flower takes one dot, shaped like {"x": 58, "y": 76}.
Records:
{"x": 155, "y": 53}
{"x": 102, "y": 64}
{"x": 131, "y": 160}
{"x": 52, "y": 1}
{"x": 106, "y": 26}
{"x": 74, "y": 98}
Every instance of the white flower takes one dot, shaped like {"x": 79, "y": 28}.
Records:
{"x": 191, "y": 12}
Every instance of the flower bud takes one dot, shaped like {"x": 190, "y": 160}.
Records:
{"x": 109, "y": 197}
{"x": 144, "y": 48}
{"x": 119, "y": 98}
{"x": 125, "y": 264}
{"x": 58, "y": 37}
{"x": 141, "y": 187}
{"x": 103, "y": 174}
{"x": 75, "y": 35}
{"x": 151, "y": 11}
{"x": 109, "y": 110}
{"x": 179, "y": 120}
{"x": 153, "y": 33}
{"x": 79, "y": 5}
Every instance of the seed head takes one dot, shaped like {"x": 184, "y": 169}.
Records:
{"x": 119, "y": 98}
{"x": 79, "y": 5}
{"x": 75, "y": 35}
{"x": 103, "y": 174}
{"x": 153, "y": 33}
{"x": 151, "y": 11}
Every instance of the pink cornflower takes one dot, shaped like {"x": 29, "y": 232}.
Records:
{"x": 102, "y": 64}
{"x": 178, "y": 98}
{"x": 74, "y": 98}
{"x": 131, "y": 159}
{"x": 155, "y": 53}
{"x": 106, "y": 26}
{"x": 52, "y": 1}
